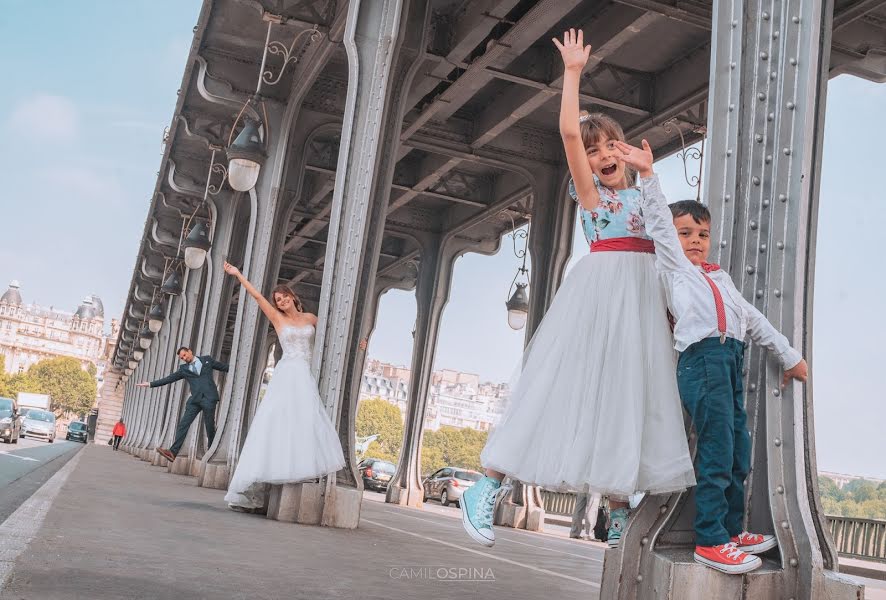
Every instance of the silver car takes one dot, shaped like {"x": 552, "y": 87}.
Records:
{"x": 39, "y": 424}
{"x": 449, "y": 483}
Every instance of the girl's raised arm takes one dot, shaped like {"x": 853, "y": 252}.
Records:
{"x": 575, "y": 56}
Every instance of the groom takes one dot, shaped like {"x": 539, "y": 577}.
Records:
{"x": 197, "y": 371}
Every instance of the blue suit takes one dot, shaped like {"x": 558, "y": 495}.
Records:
{"x": 204, "y": 397}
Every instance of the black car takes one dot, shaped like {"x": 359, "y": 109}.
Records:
{"x": 76, "y": 432}
{"x": 376, "y": 474}
{"x": 10, "y": 421}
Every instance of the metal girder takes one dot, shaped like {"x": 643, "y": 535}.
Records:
{"x": 555, "y": 88}
{"x": 611, "y": 30}
{"x": 699, "y": 15}
{"x": 474, "y": 26}
{"x": 855, "y": 11}
{"x": 694, "y": 13}
{"x": 537, "y": 21}
{"x": 431, "y": 194}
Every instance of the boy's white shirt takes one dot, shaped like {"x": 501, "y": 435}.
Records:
{"x": 690, "y": 298}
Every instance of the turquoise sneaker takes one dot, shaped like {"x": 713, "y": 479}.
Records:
{"x": 477, "y": 507}
{"x": 618, "y": 522}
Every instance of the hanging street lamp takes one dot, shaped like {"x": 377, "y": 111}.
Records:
{"x": 196, "y": 246}
{"x": 156, "y": 316}
{"x": 246, "y": 155}
{"x": 172, "y": 285}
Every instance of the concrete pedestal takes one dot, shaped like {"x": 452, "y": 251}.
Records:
{"x": 307, "y": 503}
{"x": 213, "y": 475}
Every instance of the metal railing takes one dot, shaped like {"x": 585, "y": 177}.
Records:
{"x": 853, "y": 538}
{"x": 559, "y": 503}
{"x": 859, "y": 538}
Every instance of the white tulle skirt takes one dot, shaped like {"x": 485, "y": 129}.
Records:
{"x": 596, "y": 402}
{"x": 291, "y": 438}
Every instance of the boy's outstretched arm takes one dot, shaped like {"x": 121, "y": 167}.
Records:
{"x": 764, "y": 334}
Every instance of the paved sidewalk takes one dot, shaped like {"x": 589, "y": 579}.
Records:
{"x": 120, "y": 528}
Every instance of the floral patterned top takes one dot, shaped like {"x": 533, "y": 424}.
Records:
{"x": 618, "y": 214}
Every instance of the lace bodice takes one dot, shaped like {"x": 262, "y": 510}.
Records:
{"x": 297, "y": 341}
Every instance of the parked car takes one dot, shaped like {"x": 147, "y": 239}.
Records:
{"x": 376, "y": 474}
{"x": 39, "y": 424}
{"x": 76, "y": 432}
{"x": 10, "y": 421}
{"x": 449, "y": 483}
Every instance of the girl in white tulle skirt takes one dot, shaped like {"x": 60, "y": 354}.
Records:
{"x": 596, "y": 406}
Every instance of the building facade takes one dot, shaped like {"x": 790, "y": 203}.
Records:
{"x": 30, "y": 333}
{"x": 455, "y": 399}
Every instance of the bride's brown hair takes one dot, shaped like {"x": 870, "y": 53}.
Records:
{"x": 286, "y": 291}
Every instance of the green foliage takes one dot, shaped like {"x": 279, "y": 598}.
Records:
{"x": 860, "y": 499}
{"x": 72, "y": 389}
{"x": 447, "y": 447}
{"x": 377, "y": 416}
{"x": 452, "y": 447}
{"x": 11, "y": 385}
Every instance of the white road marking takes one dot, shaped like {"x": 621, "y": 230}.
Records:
{"x": 13, "y": 455}
{"x": 487, "y": 555}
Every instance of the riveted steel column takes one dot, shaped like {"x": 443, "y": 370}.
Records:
{"x": 385, "y": 40}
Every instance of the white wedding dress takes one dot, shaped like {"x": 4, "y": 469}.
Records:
{"x": 291, "y": 438}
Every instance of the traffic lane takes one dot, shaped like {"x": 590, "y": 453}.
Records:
{"x": 26, "y": 466}
{"x": 16, "y": 460}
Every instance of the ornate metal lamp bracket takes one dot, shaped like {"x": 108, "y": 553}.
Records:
{"x": 520, "y": 252}
{"x": 277, "y": 48}
{"x": 687, "y": 154}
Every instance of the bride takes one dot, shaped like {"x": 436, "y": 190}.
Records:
{"x": 291, "y": 438}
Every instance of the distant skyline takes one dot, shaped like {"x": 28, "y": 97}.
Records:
{"x": 83, "y": 113}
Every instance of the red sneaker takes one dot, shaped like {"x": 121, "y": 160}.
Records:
{"x": 754, "y": 543}
{"x": 727, "y": 558}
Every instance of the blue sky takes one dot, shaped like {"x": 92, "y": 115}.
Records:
{"x": 84, "y": 106}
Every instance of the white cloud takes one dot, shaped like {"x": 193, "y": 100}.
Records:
{"x": 53, "y": 118}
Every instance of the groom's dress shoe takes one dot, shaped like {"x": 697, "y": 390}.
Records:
{"x": 166, "y": 454}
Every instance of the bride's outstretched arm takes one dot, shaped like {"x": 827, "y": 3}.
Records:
{"x": 271, "y": 313}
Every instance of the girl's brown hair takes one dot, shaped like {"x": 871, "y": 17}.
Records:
{"x": 286, "y": 291}
{"x": 596, "y": 126}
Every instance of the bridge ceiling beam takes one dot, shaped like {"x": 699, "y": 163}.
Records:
{"x": 500, "y": 53}
{"x": 609, "y": 32}
{"x": 471, "y": 28}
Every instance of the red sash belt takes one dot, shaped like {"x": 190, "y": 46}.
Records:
{"x": 624, "y": 244}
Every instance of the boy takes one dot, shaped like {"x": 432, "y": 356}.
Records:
{"x": 711, "y": 320}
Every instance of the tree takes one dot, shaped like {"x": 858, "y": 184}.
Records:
{"x": 72, "y": 389}
{"x": 452, "y": 447}
{"x": 377, "y": 416}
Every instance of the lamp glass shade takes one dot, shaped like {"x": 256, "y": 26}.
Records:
{"x": 518, "y": 307}
{"x": 195, "y": 257}
{"x": 155, "y": 325}
{"x": 517, "y": 319}
{"x": 243, "y": 174}
{"x": 125, "y": 378}
{"x": 128, "y": 371}
{"x": 145, "y": 343}
{"x": 138, "y": 354}
{"x": 133, "y": 364}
